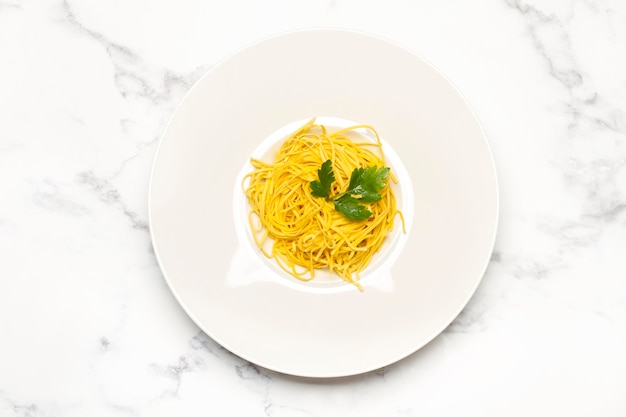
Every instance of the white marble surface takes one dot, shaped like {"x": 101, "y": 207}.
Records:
{"x": 88, "y": 326}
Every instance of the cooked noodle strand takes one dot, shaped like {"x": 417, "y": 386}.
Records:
{"x": 306, "y": 232}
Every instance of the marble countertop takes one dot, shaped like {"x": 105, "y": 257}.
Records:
{"x": 88, "y": 326}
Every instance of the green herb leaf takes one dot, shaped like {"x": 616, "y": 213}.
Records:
{"x": 364, "y": 187}
{"x": 351, "y": 208}
{"x": 366, "y": 182}
{"x": 326, "y": 177}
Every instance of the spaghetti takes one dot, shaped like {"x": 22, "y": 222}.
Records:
{"x": 307, "y": 233}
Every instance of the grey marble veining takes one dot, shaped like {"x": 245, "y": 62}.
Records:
{"x": 87, "y": 323}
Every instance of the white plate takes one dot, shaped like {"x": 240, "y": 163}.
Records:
{"x": 330, "y": 329}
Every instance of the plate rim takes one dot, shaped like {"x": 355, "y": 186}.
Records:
{"x": 388, "y": 361}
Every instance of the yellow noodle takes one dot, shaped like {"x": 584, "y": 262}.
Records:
{"x": 307, "y": 232}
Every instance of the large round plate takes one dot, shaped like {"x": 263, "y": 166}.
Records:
{"x": 299, "y": 329}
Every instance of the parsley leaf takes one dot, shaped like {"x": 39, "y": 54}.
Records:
{"x": 351, "y": 208}
{"x": 364, "y": 187}
{"x": 366, "y": 182}
{"x": 326, "y": 177}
